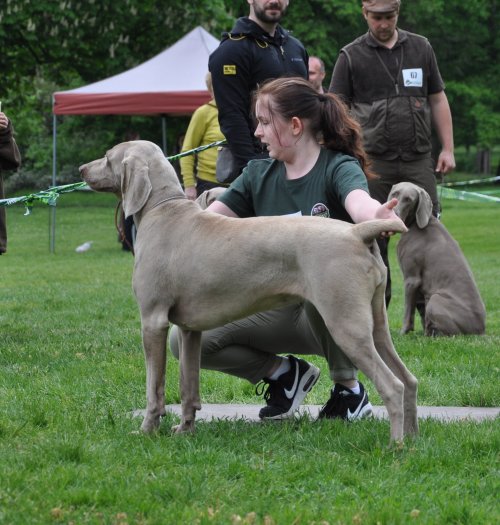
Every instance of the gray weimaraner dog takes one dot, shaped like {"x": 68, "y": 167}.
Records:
{"x": 434, "y": 270}
{"x": 255, "y": 264}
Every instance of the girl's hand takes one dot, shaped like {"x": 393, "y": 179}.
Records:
{"x": 190, "y": 192}
{"x": 386, "y": 211}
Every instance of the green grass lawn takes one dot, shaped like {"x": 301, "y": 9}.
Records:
{"x": 72, "y": 371}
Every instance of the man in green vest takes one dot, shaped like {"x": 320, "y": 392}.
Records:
{"x": 390, "y": 79}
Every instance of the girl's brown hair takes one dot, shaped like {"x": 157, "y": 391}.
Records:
{"x": 328, "y": 116}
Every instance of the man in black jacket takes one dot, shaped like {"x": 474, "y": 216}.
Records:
{"x": 255, "y": 50}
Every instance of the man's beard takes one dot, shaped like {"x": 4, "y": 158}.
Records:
{"x": 261, "y": 14}
{"x": 384, "y": 36}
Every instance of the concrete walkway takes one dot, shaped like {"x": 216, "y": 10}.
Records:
{"x": 209, "y": 412}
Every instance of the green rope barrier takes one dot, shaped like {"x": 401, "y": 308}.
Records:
{"x": 449, "y": 193}
{"x": 470, "y": 182}
{"x": 197, "y": 150}
{"x": 51, "y": 195}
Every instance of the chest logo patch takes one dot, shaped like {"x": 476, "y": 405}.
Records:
{"x": 320, "y": 210}
{"x": 229, "y": 70}
{"x": 413, "y": 77}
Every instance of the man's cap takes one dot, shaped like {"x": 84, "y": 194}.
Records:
{"x": 381, "y": 6}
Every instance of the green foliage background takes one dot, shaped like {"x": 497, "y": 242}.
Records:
{"x": 53, "y": 45}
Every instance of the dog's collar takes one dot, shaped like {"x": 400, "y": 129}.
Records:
{"x": 174, "y": 197}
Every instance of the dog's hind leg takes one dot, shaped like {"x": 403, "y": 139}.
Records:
{"x": 441, "y": 317}
{"x": 352, "y": 329}
{"x": 189, "y": 377}
{"x": 154, "y": 341}
{"x": 385, "y": 348}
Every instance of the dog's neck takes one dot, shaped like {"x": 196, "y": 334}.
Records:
{"x": 155, "y": 203}
{"x": 172, "y": 198}
{"x": 411, "y": 220}
{"x": 165, "y": 188}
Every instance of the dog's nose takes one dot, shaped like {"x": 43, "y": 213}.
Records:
{"x": 82, "y": 169}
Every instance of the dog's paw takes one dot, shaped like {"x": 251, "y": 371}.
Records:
{"x": 183, "y": 428}
{"x": 150, "y": 424}
{"x": 396, "y": 445}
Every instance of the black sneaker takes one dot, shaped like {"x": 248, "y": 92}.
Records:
{"x": 284, "y": 396}
{"x": 345, "y": 404}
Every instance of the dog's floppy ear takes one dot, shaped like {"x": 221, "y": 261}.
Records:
{"x": 424, "y": 208}
{"x": 135, "y": 184}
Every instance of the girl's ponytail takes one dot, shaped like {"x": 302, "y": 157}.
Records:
{"x": 341, "y": 132}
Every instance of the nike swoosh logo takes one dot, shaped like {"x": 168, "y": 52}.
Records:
{"x": 290, "y": 393}
{"x": 354, "y": 415}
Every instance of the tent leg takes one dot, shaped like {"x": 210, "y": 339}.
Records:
{"x": 52, "y": 217}
{"x": 164, "y": 134}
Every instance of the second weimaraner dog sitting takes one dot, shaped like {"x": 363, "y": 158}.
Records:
{"x": 255, "y": 264}
{"x": 435, "y": 270}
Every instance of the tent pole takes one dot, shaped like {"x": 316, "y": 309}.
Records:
{"x": 164, "y": 134}
{"x": 52, "y": 232}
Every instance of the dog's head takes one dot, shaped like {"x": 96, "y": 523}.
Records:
{"x": 124, "y": 170}
{"x": 414, "y": 203}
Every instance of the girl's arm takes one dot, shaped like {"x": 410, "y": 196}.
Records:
{"x": 361, "y": 207}
{"x": 222, "y": 209}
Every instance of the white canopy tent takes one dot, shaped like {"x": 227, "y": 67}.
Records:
{"x": 171, "y": 83}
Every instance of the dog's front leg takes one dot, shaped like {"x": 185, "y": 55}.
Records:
{"x": 154, "y": 341}
{"x": 412, "y": 285}
{"x": 189, "y": 377}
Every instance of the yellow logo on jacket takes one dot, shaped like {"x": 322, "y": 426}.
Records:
{"x": 230, "y": 70}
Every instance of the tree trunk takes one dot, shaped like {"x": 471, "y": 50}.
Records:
{"x": 483, "y": 161}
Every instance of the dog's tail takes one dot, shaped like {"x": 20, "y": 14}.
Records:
{"x": 370, "y": 230}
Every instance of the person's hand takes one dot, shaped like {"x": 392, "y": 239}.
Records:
{"x": 190, "y": 192}
{"x": 386, "y": 211}
{"x": 445, "y": 162}
{"x": 4, "y": 121}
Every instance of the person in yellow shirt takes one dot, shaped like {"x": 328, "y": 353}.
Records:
{"x": 198, "y": 171}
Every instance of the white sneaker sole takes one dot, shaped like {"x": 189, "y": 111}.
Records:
{"x": 306, "y": 383}
{"x": 366, "y": 411}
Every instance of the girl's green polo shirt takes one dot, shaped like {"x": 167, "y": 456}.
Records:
{"x": 262, "y": 189}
